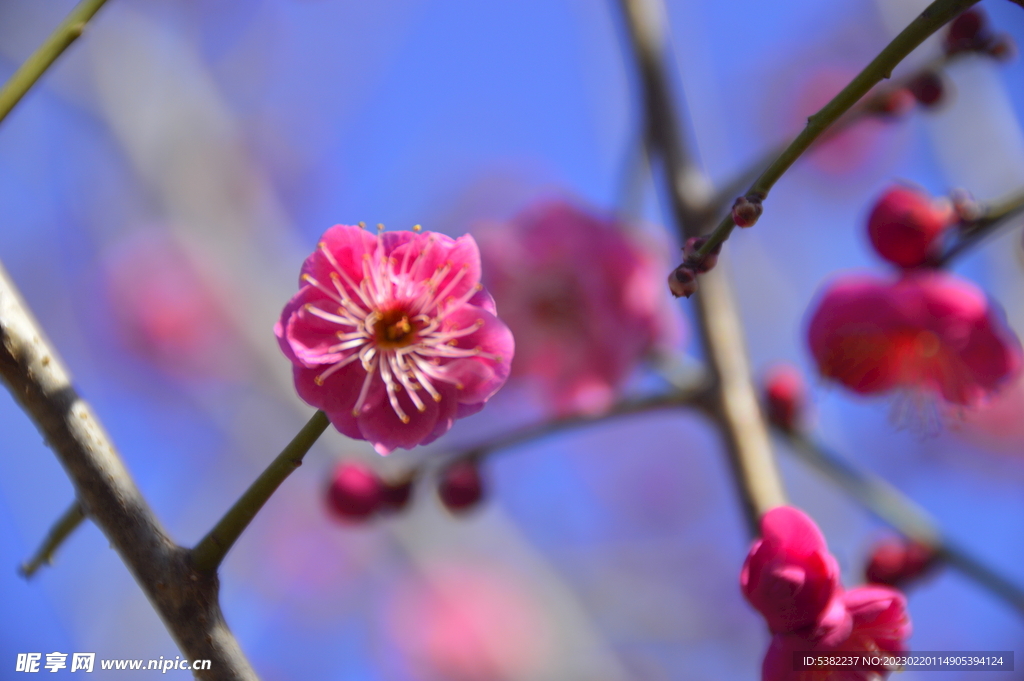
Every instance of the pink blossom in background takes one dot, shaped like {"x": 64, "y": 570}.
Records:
{"x": 928, "y": 331}
{"x": 469, "y": 623}
{"x": 793, "y": 581}
{"x": 165, "y": 308}
{"x": 393, "y": 336}
{"x": 585, "y": 301}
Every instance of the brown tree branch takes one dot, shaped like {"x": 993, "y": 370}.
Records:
{"x": 185, "y": 598}
{"x": 734, "y": 398}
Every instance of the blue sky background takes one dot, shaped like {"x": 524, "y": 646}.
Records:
{"x": 241, "y": 129}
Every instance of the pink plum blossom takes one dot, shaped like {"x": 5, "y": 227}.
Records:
{"x": 928, "y": 330}
{"x": 585, "y": 301}
{"x": 393, "y": 336}
{"x": 879, "y": 625}
{"x": 789, "y": 575}
{"x": 165, "y": 307}
{"x": 793, "y": 581}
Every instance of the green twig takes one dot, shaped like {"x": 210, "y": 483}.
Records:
{"x": 35, "y": 66}
{"x": 60, "y": 531}
{"x": 208, "y": 553}
{"x": 934, "y": 17}
{"x": 896, "y": 510}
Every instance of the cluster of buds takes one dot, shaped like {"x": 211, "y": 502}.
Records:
{"x": 357, "y": 493}
{"x": 683, "y": 280}
{"x": 970, "y": 32}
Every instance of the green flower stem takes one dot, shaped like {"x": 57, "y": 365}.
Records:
{"x": 208, "y": 553}
{"x": 896, "y": 510}
{"x": 36, "y": 65}
{"x": 996, "y": 215}
{"x": 934, "y": 17}
{"x": 60, "y": 531}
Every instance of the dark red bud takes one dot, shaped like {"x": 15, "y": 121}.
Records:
{"x": 746, "y": 210}
{"x": 927, "y": 88}
{"x": 355, "y": 492}
{"x": 683, "y": 281}
{"x": 1002, "y": 47}
{"x": 906, "y": 226}
{"x": 785, "y": 396}
{"x": 896, "y": 560}
{"x": 395, "y": 495}
{"x": 461, "y": 487}
{"x": 967, "y": 32}
{"x": 894, "y": 103}
{"x": 700, "y": 265}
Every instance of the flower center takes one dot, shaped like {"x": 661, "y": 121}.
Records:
{"x": 394, "y": 329}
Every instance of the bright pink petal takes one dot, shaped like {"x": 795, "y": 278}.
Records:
{"x": 335, "y": 397}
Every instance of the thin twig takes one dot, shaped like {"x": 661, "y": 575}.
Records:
{"x": 734, "y": 400}
{"x": 210, "y": 551}
{"x": 185, "y": 599}
{"x": 871, "y": 107}
{"x": 995, "y": 216}
{"x": 61, "y": 530}
{"x": 902, "y": 514}
{"x": 36, "y": 65}
{"x": 696, "y": 399}
{"x": 934, "y": 17}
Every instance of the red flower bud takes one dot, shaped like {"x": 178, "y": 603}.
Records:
{"x": 897, "y": 560}
{"x": 927, "y": 89}
{"x": 683, "y": 281}
{"x": 967, "y": 32}
{"x": 461, "y": 487}
{"x": 785, "y": 396}
{"x": 893, "y": 103}
{"x": 746, "y": 210}
{"x": 700, "y": 265}
{"x": 394, "y": 496}
{"x": 355, "y": 492}
{"x": 1002, "y": 47}
{"x": 905, "y": 226}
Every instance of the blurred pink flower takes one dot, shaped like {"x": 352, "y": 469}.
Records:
{"x": 165, "y": 308}
{"x": 393, "y": 336}
{"x": 929, "y": 330}
{"x": 585, "y": 301}
{"x": 793, "y": 580}
{"x": 879, "y": 625}
{"x": 470, "y": 624}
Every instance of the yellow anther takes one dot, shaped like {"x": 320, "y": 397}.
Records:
{"x": 362, "y": 225}
{"x": 417, "y": 228}
{"x": 318, "y": 380}
{"x": 380, "y": 226}
{"x": 405, "y": 418}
